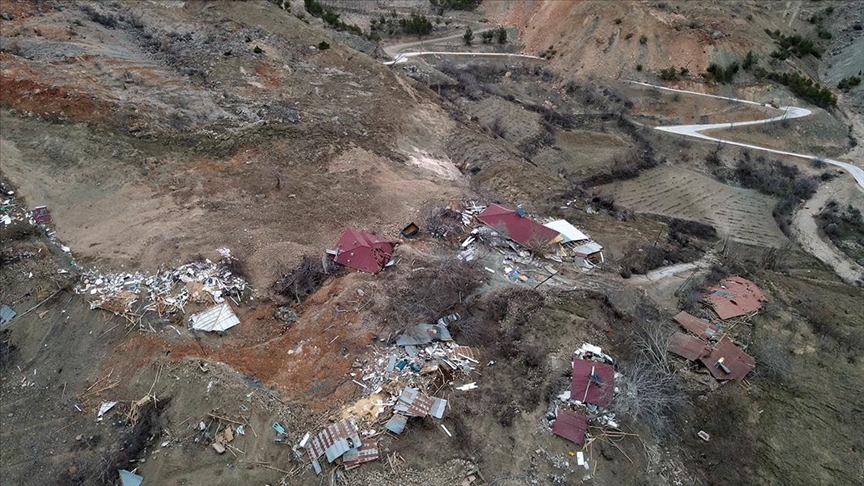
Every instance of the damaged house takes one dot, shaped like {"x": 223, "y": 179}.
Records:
{"x": 362, "y": 251}
{"x": 575, "y": 244}
{"x": 570, "y": 241}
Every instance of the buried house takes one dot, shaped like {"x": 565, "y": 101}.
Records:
{"x": 362, "y": 250}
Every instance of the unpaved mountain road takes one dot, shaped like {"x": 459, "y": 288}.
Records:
{"x": 789, "y": 113}
{"x": 395, "y": 51}
{"x": 804, "y": 225}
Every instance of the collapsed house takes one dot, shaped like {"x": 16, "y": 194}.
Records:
{"x": 735, "y": 297}
{"x": 362, "y": 251}
{"x": 575, "y": 244}
{"x": 724, "y": 360}
{"x": 559, "y": 238}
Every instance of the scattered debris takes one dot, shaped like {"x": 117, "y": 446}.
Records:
{"x": 423, "y": 334}
{"x": 736, "y": 296}
{"x": 592, "y": 382}
{"x": 517, "y": 227}
{"x": 6, "y": 314}
{"x": 166, "y": 292}
{"x": 704, "y": 435}
{"x": 687, "y": 346}
{"x": 413, "y": 403}
{"x": 218, "y": 318}
{"x": 410, "y": 231}
{"x": 128, "y": 478}
{"x": 469, "y": 386}
{"x": 573, "y": 243}
{"x": 41, "y": 214}
{"x": 724, "y": 360}
{"x": 103, "y": 409}
{"x": 218, "y": 447}
{"x": 360, "y": 455}
{"x": 397, "y": 423}
{"x": 727, "y": 361}
{"x": 702, "y": 328}
{"x": 334, "y": 441}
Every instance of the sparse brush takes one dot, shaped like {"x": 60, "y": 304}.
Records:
{"x": 650, "y": 394}
{"x": 302, "y": 280}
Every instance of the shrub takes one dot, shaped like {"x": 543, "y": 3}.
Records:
{"x": 643, "y": 40}
{"x": 313, "y": 7}
{"x": 257, "y": 50}
{"x": 772, "y": 358}
{"x": 468, "y": 5}
{"x": 304, "y": 279}
{"x": 501, "y": 35}
{"x": 468, "y": 36}
{"x": 805, "y": 88}
{"x": 793, "y": 45}
{"x": 639, "y": 67}
{"x": 848, "y": 83}
{"x": 721, "y": 74}
{"x": 323, "y": 46}
{"x": 487, "y": 36}
{"x": 416, "y": 25}
{"x": 106, "y": 20}
{"x": 668, "y": 74}
{"x": 439, "y": 289}
{"x": 750, "y": 60}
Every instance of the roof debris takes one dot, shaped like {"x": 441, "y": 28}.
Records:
{"x": 699, "y": 327}
{"x": 571, "y": 426}
{"x": 727, "y": 361}
{"x": 687, "y": 346}
{"x": 592, "y": 382}
{"x": 362, "y": 250}
{"x": 217, "y": 318}
{"x": 736, "y": 296}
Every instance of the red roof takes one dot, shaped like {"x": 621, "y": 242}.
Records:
{"x": 363, "y": 251}
{"x": 597, "y": 390}
{"x": 735, "y": 297}
{"x": 699, "y": 327}
{"x": 737, "y": 361}
{"x": 518, "y": 228}
{"x": 571, "y": 426}
{"x": 687, "y": 346}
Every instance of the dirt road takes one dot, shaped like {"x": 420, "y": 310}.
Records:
{"x": 789, "y": 112}
{"x": 806, "y": 233}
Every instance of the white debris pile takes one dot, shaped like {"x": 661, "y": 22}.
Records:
{"x": 165, "y": 292}
{"x": 12, "y": 212}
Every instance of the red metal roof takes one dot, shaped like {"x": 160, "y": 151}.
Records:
{"x": 736, "y": 360}
{"x": 597, "y": 390}
{"x": 518, "y": 228}
{"x": 735, "y": 297}
{"x": 687, "y": 346}
{"x": 363, "y": 251}
{"x": 699, "y": 327}
{"x": 571, "y": 426}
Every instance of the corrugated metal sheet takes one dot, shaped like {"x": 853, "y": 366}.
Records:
{"x": 592, "y": 382}
{"x": 438, "y": 407}
{"x": 364, "y": 251}
{"x": 366, "y": 453}
{"x": 217, "y": 318}
{"x": 397, "y": 423}
{"x": 466, "y": 353}
{"x": 413, "y": 403}
{"x": 687, "y": 346}
{"x": 567, "y": 231}
{"x": 334, "y": 441}
{"x": 735, "y": 359}
{"x": 423, "y": 334}
{"x": 699, "y": 327}
{"x": 571, "y": 426}
{"x": 735, "y": 297}
{"x": 589, "y": 248}
{"x": 6, "y": 314}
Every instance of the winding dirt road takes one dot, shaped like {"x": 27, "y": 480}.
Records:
{"x": 804, "y": 225}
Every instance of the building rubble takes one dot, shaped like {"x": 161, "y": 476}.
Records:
{"x": 166, "y": 292}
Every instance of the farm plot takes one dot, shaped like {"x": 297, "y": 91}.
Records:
{"x": 582, "y": 152}
{"x": 742, "y": 214}
{"x": 516, "y": 122}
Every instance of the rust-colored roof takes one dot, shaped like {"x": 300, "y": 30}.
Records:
{"x": 593, "y": 382}
{"x": 365, "y": 453}
{"x": 518, "y": 228}
{"x": 571, "y": 426}
{"x": 699, "y": 327}
{"x": 736, "y": 296}
{"x": 735, "y": 359}
{"x": 687, "y": 346}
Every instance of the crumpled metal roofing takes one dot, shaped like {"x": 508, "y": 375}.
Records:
{"x": 592, "y": 382}
{"x": 334, "y": 441}
{"x": 735, "y": 359}
{"x": 687, "y": 346}
{"x": 699, "y": 327}
{"x": 567, "y": 231}
{"x": 363, "y": 454}
{"x": 217, "y": 318}
{"x": 736, "y": 296}
{"x": 571, "y": 426}
{"x": 520, "y": 229}
{"x": 413, "y": 403}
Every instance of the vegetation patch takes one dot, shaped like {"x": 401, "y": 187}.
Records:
{"x": 845, "y": 228}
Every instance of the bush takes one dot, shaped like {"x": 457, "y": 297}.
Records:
{"x": 302, "y": 280}
{"x": 721, "y": 74}
{"x": 639, "y": 67}
{"x": 487, "y": 36}
{"x": 805, "y": 88}
{"x": 772, "y": 359}
{"x": 643, "y": 40}
{"x": 668, "y": 74}
{"x": 793, "y": 45}
{"x": 468, "y": 5}
{"x": 441, "y": 221}
{"x": 323, "y": 46}
{"x": 501, "y": 35}
{"x": 416, "y": 25}
{"x": 468, "y": 36}
{"x": 106, "y": 20}
{"x": 750, "y": 60}
{"x": 257, "y": 50}
{"x": 848, "y": 83}
{"x": 313, "y": 7}
{"x": 439, "y": 289}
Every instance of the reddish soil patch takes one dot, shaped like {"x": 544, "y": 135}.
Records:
{"x": 311, "y": 361}
{"x": 28, "y": 96}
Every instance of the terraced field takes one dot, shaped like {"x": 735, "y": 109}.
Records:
{"x": 742, "y": 214}
{"x": 582, "y": 152}
{"x": 518, "y": 123}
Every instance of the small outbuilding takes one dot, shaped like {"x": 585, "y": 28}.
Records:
{"x": 362, "y": 251}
